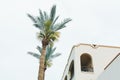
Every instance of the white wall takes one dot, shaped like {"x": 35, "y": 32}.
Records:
{"x": 71, "y": 57}
{"x": 101, "y": 57}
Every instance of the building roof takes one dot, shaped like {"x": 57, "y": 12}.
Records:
{"x": 95, "y": 45}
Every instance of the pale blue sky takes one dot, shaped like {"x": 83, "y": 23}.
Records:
{"x": 93, "y": 22}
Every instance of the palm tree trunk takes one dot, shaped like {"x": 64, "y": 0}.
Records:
{"x": 42, "y": 64}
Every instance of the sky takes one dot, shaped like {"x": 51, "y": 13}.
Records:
{"x": 93, "y": 22}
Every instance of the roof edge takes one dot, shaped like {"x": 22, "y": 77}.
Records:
{"x": 96, "y": 46}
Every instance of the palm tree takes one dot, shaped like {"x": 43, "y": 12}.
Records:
{"x": 49, "y": 55}
{"x": 49, "y": 32}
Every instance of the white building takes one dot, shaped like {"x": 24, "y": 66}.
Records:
{"x": 88, "y": 62}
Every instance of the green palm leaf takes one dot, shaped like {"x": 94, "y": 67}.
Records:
{"x": 49, "y": 54}
{"x": 38, "y": 25}
{"x": 55, "y": 55}
{"x": 48, "y": 63}
{"x": 54, "y": 22}
{"x": 46, "y": 16}
{"x": 52, "y": 14}
{"x": 41, "y": 16}
{"x": 39, "y": 49}
{"x": 36, "y": 55}
{"x": 61, "y": 25}
{"x": 32, "y": 18}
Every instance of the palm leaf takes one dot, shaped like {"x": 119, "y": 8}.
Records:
{"x": 54, "y": 22}
{"x": 48, "y": 63}
{"x": 51, "y": 43}
{"x": 34, "y": 54}
{"x": 32, "y": 18}
{"x": 53, "y": 38}
{"x": 39, "y": 49}
{"x": 48, "y": 52}
{"x": 61, "y": 25}
{"x": 57, "y": 34}
{"x": 46, "y": 16}
{"x": 38, "y": 25}
{"x": 55, "y": 55}
{"x": 40, "y": 35}
{"x": 52, "y": 14}
{"x": 41, "y": 16}
{"x": 53, "y": 50}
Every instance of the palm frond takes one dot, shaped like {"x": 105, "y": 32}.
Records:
{"x": 34, "y": 55}
{"x": 48, "y": 52}
{"x": 61, "y": 25}
{"x": 41, "y": 16}
{"x": 39, "y": 49}
{"x": 57, "y": 34}
{"x": 38, "y": 22}
{"x": 55, "y": 55}
{"x": 38, "y": 25}
{"x": 53, "y": 38}
{"x": 51, "y": 43}
{"x": 52, "y": 14}
{"x": 52, "y": 25}
{"x": 53, "y": 50}
{"x": 53, "y": 35}
{"x": 40, "y": 35}
{"x": 48, "y": 63}
{"x": 55, "y": 20}
{"x": 45, "y": 16}
{"x": 47, "y": 24}
{"x": 32, "y": 18}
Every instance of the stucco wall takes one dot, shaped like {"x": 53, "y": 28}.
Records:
{"x": 101, "y": 57}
